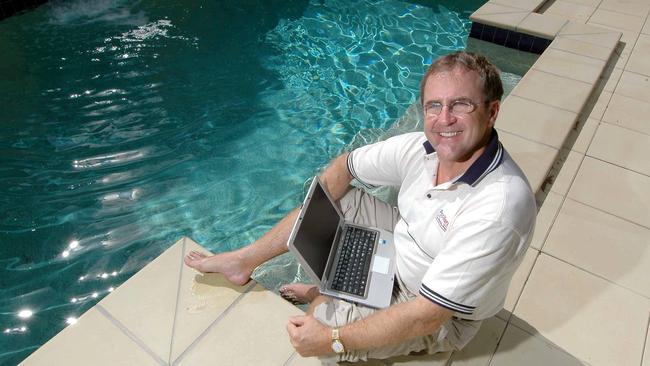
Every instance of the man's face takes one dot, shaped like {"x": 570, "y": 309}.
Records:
{"x": 458, "y": 138}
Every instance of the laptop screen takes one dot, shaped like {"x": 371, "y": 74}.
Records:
{"x": 316, "y": 232}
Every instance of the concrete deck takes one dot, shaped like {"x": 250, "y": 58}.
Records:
{"x": 578, "y": 123}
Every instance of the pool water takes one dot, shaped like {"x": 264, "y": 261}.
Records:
{"x": 126, "y": 125}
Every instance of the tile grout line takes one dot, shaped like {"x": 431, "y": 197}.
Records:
{"x": 540, "y": 337}
{"x": 578, "y": 54}
{"x": 582, "y": 156}
{"x": 178, "y": 291}
{"x": 608, "y": 213}
{"x": 288, "y": 361}
{"x": 616, "y": 165}
{"x": 605, "y": 31}
{"x": 570, "y": 78}
{"x": 575, "y": 175}
{"x": 633, "y": 72}
{"x": 214, "y": 323}
{"x": 593, "y": 12}
{"x": 627, "y": 128}
{"x": 130, "y": 334}
{"x": 635, "y": 292}
{"x": 633, "y": 46}
{"x": 646, "y": 101}
{"x": 514, "y": 307}
{"x": 542, "y": 103}
{"x": 512, "y": 313}
{"x": 502, "y": 130}
{"x": 612, "y": 163}
{"x": 622, "y": 30}
{"x": 617, "y": 12}
{"x": 644, "y": 355}
{"x": 555, "y": 215}
{"x": 577, "y": 3}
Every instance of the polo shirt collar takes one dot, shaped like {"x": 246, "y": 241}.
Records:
{"x": 488, "y": 161}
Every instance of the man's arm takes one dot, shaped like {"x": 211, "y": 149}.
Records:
{"x": 393, "y": 325}
{"x": 336, "y": 178}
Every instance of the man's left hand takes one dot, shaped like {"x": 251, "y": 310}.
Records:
{"x": 309, "y": 336}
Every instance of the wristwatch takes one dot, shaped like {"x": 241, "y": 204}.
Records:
{"x": 337, "y": 345}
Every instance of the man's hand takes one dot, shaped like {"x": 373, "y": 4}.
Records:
{"x": 309, "y": 336}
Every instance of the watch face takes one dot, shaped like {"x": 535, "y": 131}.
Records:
{"x": 337, "y": 346}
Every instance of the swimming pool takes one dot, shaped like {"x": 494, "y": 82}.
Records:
{"x": 127, "y": 125}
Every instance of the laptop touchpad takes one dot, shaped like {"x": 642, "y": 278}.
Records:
{"x": 381, "y": 265}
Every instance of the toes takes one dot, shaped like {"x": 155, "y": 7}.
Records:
{"x": 291, "y": 297}
{"x": 193, "y": 255}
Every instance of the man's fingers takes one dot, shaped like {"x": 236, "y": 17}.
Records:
{"x": 291, "y": 329}
{"x": 297, "y": 320}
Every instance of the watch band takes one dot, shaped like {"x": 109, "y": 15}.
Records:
{"x": 337, "y": 345}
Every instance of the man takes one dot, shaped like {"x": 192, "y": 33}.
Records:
{"x": 465, "y": 219}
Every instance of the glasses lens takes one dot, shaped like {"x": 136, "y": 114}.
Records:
{"x": 434, "y": 109}
{"x": 461, "y": 107}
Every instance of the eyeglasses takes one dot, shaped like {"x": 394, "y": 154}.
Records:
{"x": 457, "y": 108}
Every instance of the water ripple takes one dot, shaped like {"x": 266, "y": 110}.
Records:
{"x": 126, "y": 125}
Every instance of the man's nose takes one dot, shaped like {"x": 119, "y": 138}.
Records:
{"x": 445, "y": 116}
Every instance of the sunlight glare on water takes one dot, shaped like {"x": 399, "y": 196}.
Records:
{"x": 126, "y": 125}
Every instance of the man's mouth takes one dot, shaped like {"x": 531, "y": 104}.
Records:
{"x": 449, "y": 134}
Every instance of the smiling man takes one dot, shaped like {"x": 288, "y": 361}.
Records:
{"x": 464, "y": 220}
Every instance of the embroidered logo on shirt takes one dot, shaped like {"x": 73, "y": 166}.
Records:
{"x": 442, "y": 220}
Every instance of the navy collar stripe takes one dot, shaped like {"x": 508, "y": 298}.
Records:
{"x": 428, "y": 148}
{"x": 487, "y": 162}
{"x": 495, "y": 163}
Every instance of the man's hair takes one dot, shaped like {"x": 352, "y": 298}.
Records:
{"x": 492, "y": 86}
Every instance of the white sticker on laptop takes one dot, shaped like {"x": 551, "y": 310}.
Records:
{"x": 381, "y": 265}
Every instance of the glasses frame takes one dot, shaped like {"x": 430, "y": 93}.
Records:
{"x": 450, "y": 107}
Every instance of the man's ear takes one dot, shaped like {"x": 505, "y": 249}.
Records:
{"x": 494, "y": 111}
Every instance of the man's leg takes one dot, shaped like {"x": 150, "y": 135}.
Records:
{"x": 361, "y": 208}
{"x": 239, "y": 264}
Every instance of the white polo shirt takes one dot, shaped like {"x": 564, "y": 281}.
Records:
{"x": 459, "y": 243}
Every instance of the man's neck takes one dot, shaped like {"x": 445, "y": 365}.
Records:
{"x": 448, "y": 170}
{"x": 446, "y": 174}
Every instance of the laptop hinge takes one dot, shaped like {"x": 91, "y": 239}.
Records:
{"x": 332, "y": 256}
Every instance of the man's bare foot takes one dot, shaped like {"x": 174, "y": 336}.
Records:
{"x": 299, "y": 293}
{"x": 229, "y": 264}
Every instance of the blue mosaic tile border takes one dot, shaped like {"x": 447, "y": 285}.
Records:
{"x": 509, "y": 38}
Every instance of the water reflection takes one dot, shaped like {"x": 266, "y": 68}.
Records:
{"x": 21, "y": 329}
{"x": 25, "y": 314}
{"x": 72, "y": 247}
{"x": 129, "y": 195}
{"x": 127, "y": 130}
{"x": 110, "y": 159}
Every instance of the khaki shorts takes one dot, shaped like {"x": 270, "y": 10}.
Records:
{"x": 362, "y": 208}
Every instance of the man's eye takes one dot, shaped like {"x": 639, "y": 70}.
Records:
{"x": 461, "y": 106}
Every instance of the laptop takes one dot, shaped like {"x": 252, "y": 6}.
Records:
{"x": 347, "y": 261}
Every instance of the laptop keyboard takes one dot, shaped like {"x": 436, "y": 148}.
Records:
{"x": 351, "y": 274}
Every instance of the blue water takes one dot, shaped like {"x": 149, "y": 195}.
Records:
{"x": 126, "y": 125}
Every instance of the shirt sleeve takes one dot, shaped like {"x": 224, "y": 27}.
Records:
{"x": 385, "y": 162}
{"x": 474, "y": 269}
